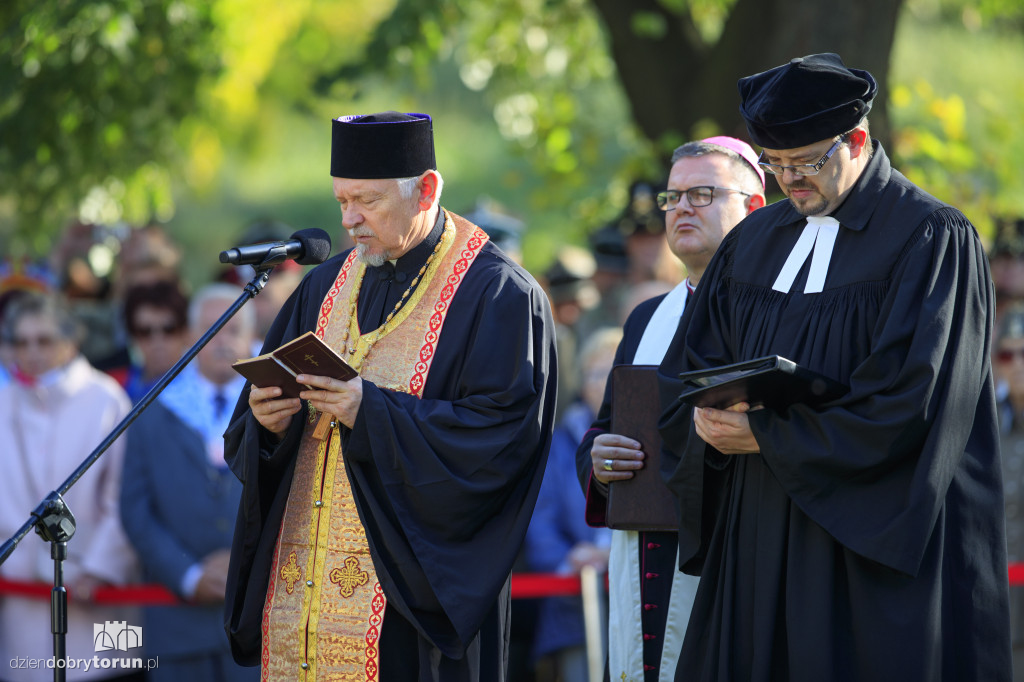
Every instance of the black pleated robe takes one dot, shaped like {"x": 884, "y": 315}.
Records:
{"x": 444, "y": 485}
{"x": 865, "y": 541}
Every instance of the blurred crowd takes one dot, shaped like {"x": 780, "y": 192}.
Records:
{"x": 90, "y": 331}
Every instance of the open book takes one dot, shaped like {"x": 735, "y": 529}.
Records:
{"x": 306, "y": 354}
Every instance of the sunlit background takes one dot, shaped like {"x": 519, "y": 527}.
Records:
{"x": 207, "y": 115}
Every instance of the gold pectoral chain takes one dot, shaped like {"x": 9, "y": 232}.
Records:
{"x": 352, "y": 330}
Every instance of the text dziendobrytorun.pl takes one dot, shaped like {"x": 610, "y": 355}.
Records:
{"x": 85, "y": 664}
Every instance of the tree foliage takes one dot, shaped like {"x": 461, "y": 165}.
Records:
{"x": 91, "y": 99}
{"x": 107, "y": 108}
{"x": 556, "y": 71}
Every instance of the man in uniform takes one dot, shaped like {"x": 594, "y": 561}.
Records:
{"x": 861, "y": 539}
{"x": 713, "y": 184}
{"x": 381, "y": 516}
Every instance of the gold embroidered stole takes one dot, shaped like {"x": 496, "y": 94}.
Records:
{"x": 324, "y": 605}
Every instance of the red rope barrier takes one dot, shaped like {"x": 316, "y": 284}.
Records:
{"x": 524, "y": 586}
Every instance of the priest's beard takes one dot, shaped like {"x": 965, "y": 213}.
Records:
{"x": 374, "y": 260}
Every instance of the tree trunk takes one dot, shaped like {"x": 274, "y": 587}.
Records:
{"x": 675, "y": 82}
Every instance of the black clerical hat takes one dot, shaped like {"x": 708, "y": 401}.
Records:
{"x": 384, "y": 145}
{"x": 809, "y": 99}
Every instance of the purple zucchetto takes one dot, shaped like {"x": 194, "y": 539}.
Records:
{"x": 385, "y": 145}
{"x": 809, "y": 99}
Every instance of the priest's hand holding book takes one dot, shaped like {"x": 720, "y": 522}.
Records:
{"x": 305, "y": 368}
{"x": 721, "y": 397}
{"x": 273, "y": 412}
{"x": 327, "y": 395}
{"x": 728, "y": 430}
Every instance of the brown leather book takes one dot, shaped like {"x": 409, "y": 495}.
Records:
{"x": 306, "y": 354}
{"x": 643, "y": 502}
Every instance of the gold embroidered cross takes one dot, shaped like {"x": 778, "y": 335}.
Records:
{"x": 350, "y": 577}
{"x": 290, "y": 573}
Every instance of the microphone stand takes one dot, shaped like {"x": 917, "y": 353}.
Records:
{"x": 53, "y": 520}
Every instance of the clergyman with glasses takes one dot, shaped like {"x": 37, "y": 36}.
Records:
{"x": 861, "y": 539}
{"x": 712, "y": 185}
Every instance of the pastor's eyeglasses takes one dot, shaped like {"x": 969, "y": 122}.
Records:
{"x": 697, "y": 196}
{"x": 802, "y": 168}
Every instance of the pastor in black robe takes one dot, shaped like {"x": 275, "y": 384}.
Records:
{"x": 442, "y": 549}
{"x": 865, "y": 541}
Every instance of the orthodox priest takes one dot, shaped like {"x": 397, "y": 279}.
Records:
{"x": 381, "y": 516}
{"x": 861, "y": 539}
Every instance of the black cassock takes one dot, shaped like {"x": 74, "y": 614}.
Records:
{"x": 865, "y": 541}
{"x": 445, "y": 485}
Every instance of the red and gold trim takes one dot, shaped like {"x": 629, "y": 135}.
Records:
{"x": 328, "y": 626}
{"x": 426, "y": 355}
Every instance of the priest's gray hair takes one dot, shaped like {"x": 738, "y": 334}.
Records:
{"x": 406, "y": 186}
{"x": 220, "y": 292}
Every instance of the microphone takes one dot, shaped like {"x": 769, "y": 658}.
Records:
{"x": 305, "y": 247}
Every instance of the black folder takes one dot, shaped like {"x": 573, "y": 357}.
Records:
{"x": 772, "y": 381}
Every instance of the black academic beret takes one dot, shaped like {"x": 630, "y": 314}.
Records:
{"x": 809, "y": 99}
{"x": 385, "y": 145}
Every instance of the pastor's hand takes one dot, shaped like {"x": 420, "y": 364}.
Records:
{"x": 333, "y": 396}
{"x": 615, "y": 457}
{"x": 271, "y": 411}
{"x": 727, "y": 431}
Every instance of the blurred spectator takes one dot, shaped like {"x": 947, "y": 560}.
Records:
{"x": 96, "y": 265}
{"x": 83, "y": 260}
{"x": 559, "y": 539}
{"x": 17, "y": 279}
{"x": 156, "y": 317}
{"x": 1009, "y": 369}
{"x": 568, "y": 283}
{"x": 283, "y": 280}
{"x": 504, "y": 230}
{"x": 642, "y": 223}
{"x": 56, "y": 412}
{"x": 629, "y": 252}
{"x": 1006, "y": 259}
{"x": 148, "y": 254}
{"x": 608, "y": 247}
{"x": 176, "y": 455}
